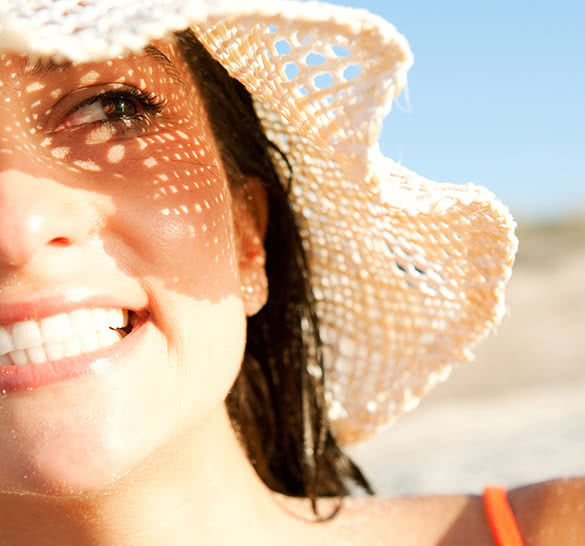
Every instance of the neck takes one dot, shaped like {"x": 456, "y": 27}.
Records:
{"x": 200, "y": 490}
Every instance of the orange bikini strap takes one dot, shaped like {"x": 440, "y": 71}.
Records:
{"x": 500, "y": 517}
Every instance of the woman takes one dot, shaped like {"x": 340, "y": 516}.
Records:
{"x": 206, "y": 289}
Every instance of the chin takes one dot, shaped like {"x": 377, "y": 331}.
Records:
{"x": 81, "y": 458}
{"x": 84, "y": 436}
{"x": 60, "y": 479}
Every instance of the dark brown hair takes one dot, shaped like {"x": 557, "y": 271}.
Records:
{"x": 276, "y": 405}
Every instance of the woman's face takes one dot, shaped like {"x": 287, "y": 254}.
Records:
{"x": 112, "y": 196}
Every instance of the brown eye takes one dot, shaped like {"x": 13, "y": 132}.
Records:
{"x": 119, "y": 107}
{"x": 128, "y": 106}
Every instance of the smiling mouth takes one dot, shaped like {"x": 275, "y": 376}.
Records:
{"x": 64, "y": 335}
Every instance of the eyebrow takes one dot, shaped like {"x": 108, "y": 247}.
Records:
{"x": 43, "y": 68}
{"x": 157, "y": 55}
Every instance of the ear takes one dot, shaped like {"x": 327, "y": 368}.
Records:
{"x": 250, "y": 212}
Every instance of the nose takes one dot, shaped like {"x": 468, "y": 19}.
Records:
{"x": 38, "y": 215}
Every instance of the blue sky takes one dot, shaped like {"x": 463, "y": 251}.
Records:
{"x": 496, "y": 96}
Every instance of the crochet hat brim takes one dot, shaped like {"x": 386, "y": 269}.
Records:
{"x": 408, "y": 274}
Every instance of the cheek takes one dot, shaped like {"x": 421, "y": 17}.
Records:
{"x": 173, "y": 218}
{"x": 205, "y": 343}
{"x": 182, "y": 234}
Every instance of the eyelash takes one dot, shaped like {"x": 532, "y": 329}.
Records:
{"x": 150, "y": 104}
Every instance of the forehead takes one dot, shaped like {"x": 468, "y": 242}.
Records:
{"x": 159, "y": 60}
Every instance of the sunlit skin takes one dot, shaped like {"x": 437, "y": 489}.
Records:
{"x": 111, "y": 183}
{"x": 138, "y": 208}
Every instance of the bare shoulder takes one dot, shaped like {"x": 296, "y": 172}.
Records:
{"x": 450, "y": 520}
{"x": 443, "y": 520}
{"x": 552, "y": 512}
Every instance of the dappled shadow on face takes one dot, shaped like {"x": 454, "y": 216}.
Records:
{"x": 117, "y": 155}
{"x": 111, "y": 185}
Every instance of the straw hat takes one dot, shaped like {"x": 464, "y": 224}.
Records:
{"x": 408, "y": 274}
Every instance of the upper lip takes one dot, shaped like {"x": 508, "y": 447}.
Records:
{"x": 65, "y": 302}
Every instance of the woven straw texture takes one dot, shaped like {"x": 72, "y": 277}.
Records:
{"x": 408, "y": 274}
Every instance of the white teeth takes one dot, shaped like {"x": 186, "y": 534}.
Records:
{"x": 61, "y": 336}
{"x": 26, "y": 334}
{"x": 72, "y": 347}
{"x": 100, "y": 316}
{"x": 19, "y": 358}
{"x": 81, "y": 321}
{"x": 108, "y": 337}
{"x": 56, "y": 328}
{"x": 6, "y": 343}
{"x": 55, "y": 350}
{"x": 36, "y": 355}
{"x": 89, "y": 342}
{"x": 118, "y": 318}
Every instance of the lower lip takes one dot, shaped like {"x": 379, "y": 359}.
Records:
{"x": 14, "y": 379}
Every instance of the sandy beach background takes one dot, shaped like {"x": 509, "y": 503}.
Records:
{"x": 517, "y": 414}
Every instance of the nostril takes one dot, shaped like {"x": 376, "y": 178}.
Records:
{"x": 60, "y": 241}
